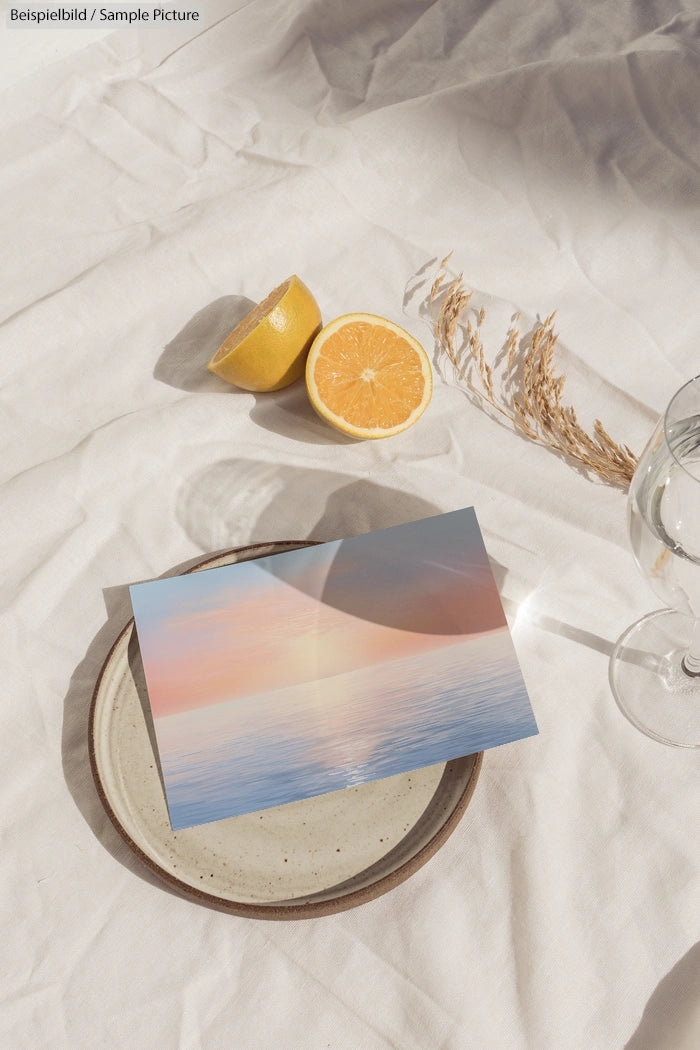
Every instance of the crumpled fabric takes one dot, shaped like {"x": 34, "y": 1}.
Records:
{"x": 155, "y": 183}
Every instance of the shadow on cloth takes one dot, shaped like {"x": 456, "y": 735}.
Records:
{"x": 290, "y": 413}
{"x": 352, "y": 506}
{"x": 522, "y": 613}
{"x": 74, "y": 739}
{"x": 183, "y": 363}
{"x": 671, "y": 1018}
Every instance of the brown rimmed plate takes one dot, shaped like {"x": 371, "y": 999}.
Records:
{"x": 303, "y": 859}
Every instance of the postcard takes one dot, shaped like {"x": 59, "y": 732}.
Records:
{"x": 315, "y": 669}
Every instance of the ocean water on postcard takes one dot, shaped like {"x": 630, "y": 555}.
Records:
{"x": 248, "y": 754}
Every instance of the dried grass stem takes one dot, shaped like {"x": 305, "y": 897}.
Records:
{"x": 530, "y": 393}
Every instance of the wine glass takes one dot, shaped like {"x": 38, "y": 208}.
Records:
{"x": 655, "y": 666}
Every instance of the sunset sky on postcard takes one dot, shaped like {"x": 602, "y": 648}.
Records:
{"x": 252, "y": 627}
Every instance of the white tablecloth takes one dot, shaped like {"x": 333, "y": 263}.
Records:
{"x": 156, "y": 180}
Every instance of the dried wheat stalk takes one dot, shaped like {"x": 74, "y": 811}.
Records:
{"x": 531, "y": 392}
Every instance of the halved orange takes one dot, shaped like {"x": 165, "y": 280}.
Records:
{"x": 368, "y": 377}
{"x": 267, "y": 350}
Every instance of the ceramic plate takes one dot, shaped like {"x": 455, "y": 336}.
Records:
{"x": 302, "y": 859}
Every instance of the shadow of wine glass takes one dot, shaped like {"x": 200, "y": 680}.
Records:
{"x": 522, "y": 611}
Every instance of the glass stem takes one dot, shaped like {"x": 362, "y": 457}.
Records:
{"x": 691, "y": 661}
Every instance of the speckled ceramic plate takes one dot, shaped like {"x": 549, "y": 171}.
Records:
{"x": 303, "y": 859}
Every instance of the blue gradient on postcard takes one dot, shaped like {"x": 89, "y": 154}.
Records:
{"x": 310, "y": 738}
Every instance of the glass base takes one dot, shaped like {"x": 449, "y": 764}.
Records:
{"x": 648, "y": 681}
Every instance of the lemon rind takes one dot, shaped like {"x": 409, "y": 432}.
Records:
{"x": 272, "y": 335}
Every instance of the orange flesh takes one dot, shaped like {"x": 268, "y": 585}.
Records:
{"x": 369, "y": 376}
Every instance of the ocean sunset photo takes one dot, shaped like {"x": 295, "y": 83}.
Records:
{"x": 315, "y": 669}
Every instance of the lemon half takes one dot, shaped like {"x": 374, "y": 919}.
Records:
{"x": 268, "y": 349}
